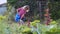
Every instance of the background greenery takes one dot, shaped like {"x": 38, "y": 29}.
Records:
{"x": 10, "y": 27}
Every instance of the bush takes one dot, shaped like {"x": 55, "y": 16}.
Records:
{"x": 24, "y": 29}
{"x": 34, "y": 23}
{"x": 3, "y": 18}
{"x": 50, "y": 29}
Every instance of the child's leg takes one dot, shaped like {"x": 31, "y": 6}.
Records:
{"x": 21, "y": 22}
{"x": 24, "y": 19}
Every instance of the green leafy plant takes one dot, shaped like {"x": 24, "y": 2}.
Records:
{"x": 53, "y": 22}
{"x": 24, "y": 29}
{"x": 50, "y": 29}
{"x": 2, "y": 18}
{"x": 34, "y": 23}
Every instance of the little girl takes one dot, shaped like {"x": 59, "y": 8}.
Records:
{"x": 20, "y": 14}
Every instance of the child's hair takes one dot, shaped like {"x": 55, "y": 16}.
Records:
{"x": 26, "y": 6}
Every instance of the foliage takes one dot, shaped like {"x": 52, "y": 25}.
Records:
{"x": 50, "y": 29}
{"x": 58, "y": 21}
{"x": 6, "y": 28}
{"x": 54, "y": 9}
{"x": 12, "y": 2}
{"x": 3, "y": 18}
{"x": 24, "y": 29}
{"x": 34, "y": 23}
{"x": 53, "y": 22}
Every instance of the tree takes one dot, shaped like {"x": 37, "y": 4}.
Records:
{"x": 54, "y": 9}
